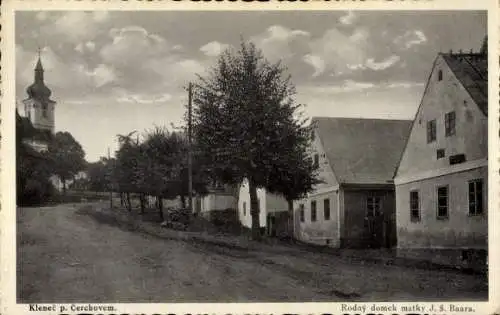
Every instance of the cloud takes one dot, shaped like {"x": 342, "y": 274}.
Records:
{"x": 384, "y": 64}
{"x": 404, "y": 84}
{"x": 144, "y": 98}
{"x": 77, "y": 25}
{"x": 352, "y": 86}
{"x": 88, "y": 46}
{"x": 132, "y": 45}
{"x": 316, "y": 62}
{"x": 101, "y": 75}
{"x": 338, "y": 50}
{"x": 213, "y": 49}
{"x": 175, "y": 71}
{"x": 410, "y": 39}
{"x": 348, "y": 19}
{"x": 279, "y": 42}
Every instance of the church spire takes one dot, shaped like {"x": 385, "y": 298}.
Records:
{"x": 39, "y": 68}
{"x": 38, "y": 89}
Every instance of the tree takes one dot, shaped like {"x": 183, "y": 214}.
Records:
{"x": 247, "y": 125}
{"x": 126, "y": 164}
{"x": 99, "y": 175}
{"x": 32, "y": 167}
{"x": 159, "y": 167}
{"x": 67, "y": 156}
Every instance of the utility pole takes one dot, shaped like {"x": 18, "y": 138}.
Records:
{"x": 110, "y": 181}
{"x": 190, "y": 161}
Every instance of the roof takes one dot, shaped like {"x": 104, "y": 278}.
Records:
{"x": 472, "y": 72}
{"x": 362, "y": 151}
{"x": 39, "y": 64}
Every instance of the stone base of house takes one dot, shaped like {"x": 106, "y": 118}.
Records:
{"x": 463, "y": 258}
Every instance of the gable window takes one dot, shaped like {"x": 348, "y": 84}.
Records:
{"x": 244, "y": 208}
{"x": 326, "y": 208}
{"x": 442, "y": 202}
{"x": 414, "y": 206}
{"x": 301, "y": 213}
{"x": 431, "y": 131}
{"x": 313, "y": 211}
{"x": 373, "y": 206}
{"x": 476, "y": 197}
{"x": 440, "y": 153}
{"x": 440, "y": 75}
{"x": 316, "y": 160}
{"x": 449, "y": 123}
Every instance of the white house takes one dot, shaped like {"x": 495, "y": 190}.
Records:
{"x": 442, "y": 179}
{"x": 273, "y": 210}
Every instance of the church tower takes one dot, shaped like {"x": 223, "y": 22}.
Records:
{"x": 39, "y": 108}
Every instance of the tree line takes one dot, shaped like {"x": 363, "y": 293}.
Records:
{"x": 246, "y": 125}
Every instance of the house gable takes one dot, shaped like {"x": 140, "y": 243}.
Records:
{"x": 326, "y": 175}
{"x": 445, "y": 93}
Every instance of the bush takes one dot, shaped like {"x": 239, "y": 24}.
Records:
{"x": 37, "y": 192}
{"x": 182, "y": 216}
{"x": 225, "y": 220}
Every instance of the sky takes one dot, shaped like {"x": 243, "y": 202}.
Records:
{"x": 113, "y": 72}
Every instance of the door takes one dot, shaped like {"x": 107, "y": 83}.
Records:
{"x": 375, "y": 226}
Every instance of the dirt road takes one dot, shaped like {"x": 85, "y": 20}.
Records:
{"x": 67, "y": 256}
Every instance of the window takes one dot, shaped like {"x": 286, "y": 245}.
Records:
{"x": 440, "y": 75}
{"x": 457, "y": 159}
{"x": 244, "y": 208}
{"x": 476, "y": 197}
{"x": 449, "y": 123}
{"x": 442, "y": 202}
{"x": 313, "y": 210}
{"x": 316, "y": 160}
{"x": 326, "y": 208}
{"x": 302, "y": 214}
{"x": 440, "y": 153}
{"x": 431, "y": 131}
{"x": 44, "y": 110}
{"x": 373, "y": 206}
{"x": 414, "y": 206}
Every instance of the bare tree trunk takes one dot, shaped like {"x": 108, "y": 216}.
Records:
{"x": 63, "y": 180}
{"x": 142, "y": 198}
{"x": 129, "y": 205}
{"x": 122, "y": 199}
{"x": 254, "y": 211}
{"x": 290, "y": 218}
{"x": 160, "y": 208}
{"x": 183, "y": 202}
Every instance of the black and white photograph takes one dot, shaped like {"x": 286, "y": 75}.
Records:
{"x": 251, "y": 156}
